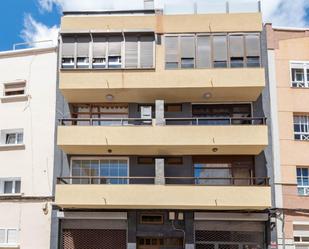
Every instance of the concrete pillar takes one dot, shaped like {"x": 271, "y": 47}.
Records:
{"x": 160, "y": 177}
{"x": 131, "y": 245}
{"x": 189, "y": 246}
{"x": 160, "y": 113}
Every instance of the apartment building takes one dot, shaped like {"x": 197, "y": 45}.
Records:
{"x": 27, "y": 130}
{"x": 288, "y": 56}
{"x": 162, "y": 130}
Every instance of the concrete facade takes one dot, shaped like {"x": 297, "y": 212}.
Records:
{"x": 31, "y": 160}
{"x": 285, "y": 47}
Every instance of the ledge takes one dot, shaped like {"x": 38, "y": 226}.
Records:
{"x": 7, "y": 147}
{"x": 9, "y": 246}
{"x": 16, "y": 98}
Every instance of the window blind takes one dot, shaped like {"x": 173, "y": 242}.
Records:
{"x": 83, "y": 46}
{"x": 131, "y": 52}
{"x": 146, "y": 51}
{"x": 203, "y": 59}
{"x": 99, "y": 46}
{"x": 114, "y": 45}
{"x": 68, "y": 46}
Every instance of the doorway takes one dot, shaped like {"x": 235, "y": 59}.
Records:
{"x": 160, "y": 243}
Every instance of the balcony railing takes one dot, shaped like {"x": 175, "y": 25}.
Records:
{"x": 199, "y": 181}
{"x": 215, "y": 121}
{"x": 168, "y": 121}
{"x": 105, "y": 122}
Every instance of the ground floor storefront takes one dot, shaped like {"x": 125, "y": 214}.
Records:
{"x": 162, "y": 229}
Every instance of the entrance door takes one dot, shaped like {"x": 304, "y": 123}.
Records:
{"x": 160, "y": 243}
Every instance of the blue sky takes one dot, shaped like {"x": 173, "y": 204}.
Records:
{"x": 32, "y": 20}
{"x": 12, "y": 20}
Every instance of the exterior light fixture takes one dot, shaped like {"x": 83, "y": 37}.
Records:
{"x": 215, "y": 150}
{"x": 207, "y": 95}
{"x": 109, "y": 151}
{"x": 109, "y": 97}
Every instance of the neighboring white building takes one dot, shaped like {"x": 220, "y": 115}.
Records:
{"x": 27, "y": 129}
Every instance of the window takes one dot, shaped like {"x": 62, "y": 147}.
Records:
{"x": 108, "y": 51}
{"x": 187, "y": 47}
{"x": 237, "y": 50}
{"x": 303, "y": 181}
{"x": 82, "y": 60}
{"x": 105, "y": 167}
{"x": 10, "y": 186}
{"x": 171, "y": 52}
{"x": 14, "y": 89}
{"x": 173, "y": 108}
{"x": 14, "y": 138}
{"x": 174, "y": 160}
{"x": 300, "y": 74}
{"x": 99, "y": 52}
{"x": 110, "y": 114}
{"x": 145, "y": 160}
{"x": 208, "y": 50}
{"x": 220, "y": 51}
{"x": 203, "y": 59}
{"x": 8, "y": 236}
{"x": 68, "y": 52}
{"x": 253, "y": 50}
{"x": 154, "y": 219}
{"x": 301, "y": 235}
{"x": 301, "y": 127}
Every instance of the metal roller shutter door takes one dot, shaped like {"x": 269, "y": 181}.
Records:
{"x": 94, "y": 239}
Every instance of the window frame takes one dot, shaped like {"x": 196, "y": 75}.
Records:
{"x": 4, "y": 133}
{"x": 6, "y": 237}
{"x": 303, "y": 136}
{"x": 24, "y": 89}
{"x": 153, "y": 215}
{"x": 100, "y": 158}
{"x": 302, "y": 177}
{"x": 13, "y": 180}
{"x": 305, "y": 68}
{"x": 121, "y": 62}
{"x": 211, "y": 41}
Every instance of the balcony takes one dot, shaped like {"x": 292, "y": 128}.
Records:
{"x": 252, "y": 193}
{"x": 187, "y": 85}
{"x": 194, "y": 136}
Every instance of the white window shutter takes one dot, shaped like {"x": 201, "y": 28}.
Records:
{"x": 147, "y": 51}
{"x": 187, "y": 46}
{"x": 83, "y": 46}
{"x": 203, "y": 59}
{"x": 171, "y": 49}
{"x": 131, "y": 52}
{"x": 68, "y": 46}
{"x": 99, "y": 46}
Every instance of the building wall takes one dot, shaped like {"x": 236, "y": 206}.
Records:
{"x": 29, "y": 212}
{"x": 285, "y": 46}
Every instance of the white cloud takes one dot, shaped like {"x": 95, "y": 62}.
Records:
{"x": 76, "y": 5}
{"x": 35, "y": 31}
{"x": 286, "y": 12}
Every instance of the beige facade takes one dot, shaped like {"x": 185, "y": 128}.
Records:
{"x": 169, "y": 133}
{"x": 287, "y": 47}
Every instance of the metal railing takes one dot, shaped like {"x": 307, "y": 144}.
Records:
{"x": 168, "y": 121}
{"x": 106, "y": 121}
{"x": 199, "y": 181}
{"x": 34, "y": 44}
{"x": 210, "y": 6}
{"x": 216, "y": 121}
